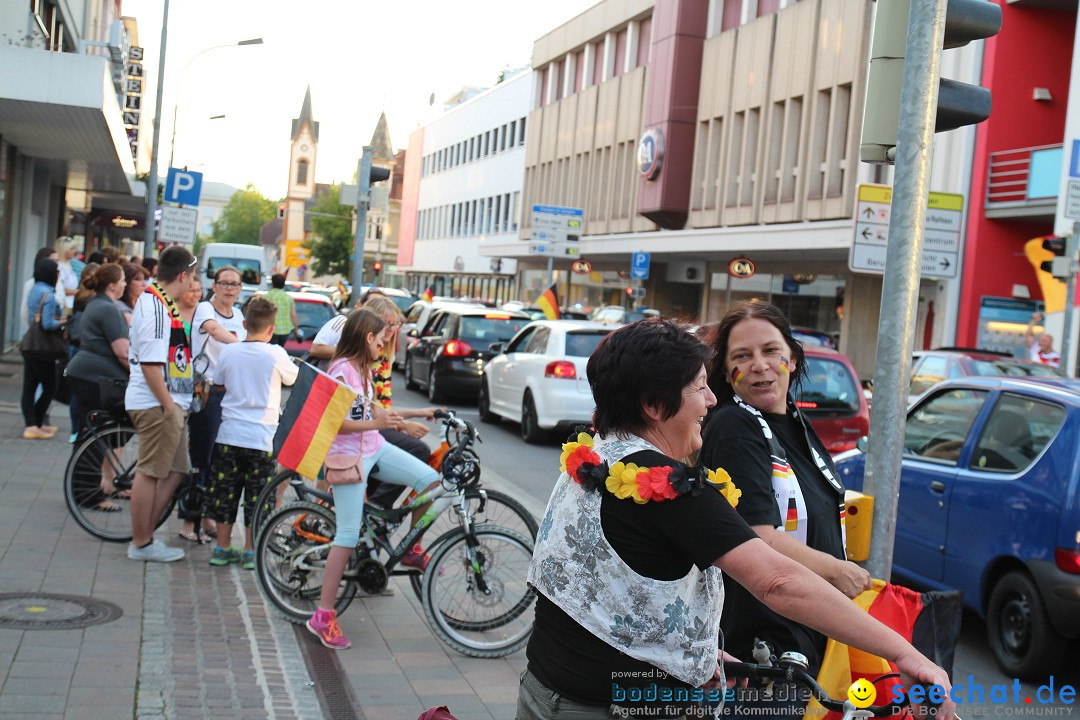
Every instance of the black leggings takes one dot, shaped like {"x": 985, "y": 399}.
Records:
{"x": 37, "y": 372}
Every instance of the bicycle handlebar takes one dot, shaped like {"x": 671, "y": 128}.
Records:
{"x": 801, "y": 677}
{"x": 449, "y": 417}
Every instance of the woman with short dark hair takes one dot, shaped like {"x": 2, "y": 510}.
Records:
{"x": 42, "y": 298}
{"x": 628, "y": 559}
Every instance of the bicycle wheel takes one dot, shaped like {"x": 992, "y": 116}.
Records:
{"x": 115, "y": 449}
{"x": 290, "y": 558}
{"x": 501, "y": 510}
{"x": 477, "y": 600}
{"x": 279, "y": 492}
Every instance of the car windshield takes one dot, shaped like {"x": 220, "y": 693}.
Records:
{"x": 482, "y": 331}
{"x": 403, "y": 303}
{"x": 311, "y": 316}
{"x": 582, "y": 343}
{"x": 249, "y": 269}
{"x": 828, "y": 388}
{"x": 1004, "y": 367}
{"x": 812, "y": 339}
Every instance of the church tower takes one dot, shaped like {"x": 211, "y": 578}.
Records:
{"x": 305, "y": 142}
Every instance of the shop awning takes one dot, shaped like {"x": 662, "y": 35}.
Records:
{"x": 63, "y": 106}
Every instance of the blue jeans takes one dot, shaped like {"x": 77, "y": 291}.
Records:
{"x": 395, "y": 466}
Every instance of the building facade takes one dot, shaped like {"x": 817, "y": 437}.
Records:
{"x": 462, "y": 195}
{"x": 70, "y": 102}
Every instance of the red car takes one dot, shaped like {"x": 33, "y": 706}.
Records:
{"x": 833, "y": 399}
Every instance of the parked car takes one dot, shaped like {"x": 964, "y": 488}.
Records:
{"x": 833, "y": 399}
{"x": 989, "y": 503}
{"x": 449, "y": 356}
{"x": 929, "y": 367}
{"x": 416, "y": 318}
{"x": 537, "y": 313}
{"x": 312, "y": 312}
{"x": 539, "y": 380}
{"x": 811, "y": 337}
{"x": 618, "y": 315}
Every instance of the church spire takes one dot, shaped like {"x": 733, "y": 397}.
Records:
{"x": 380, "y": 142}
{"x": 305, "y": 118}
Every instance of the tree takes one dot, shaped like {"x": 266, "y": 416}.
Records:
{"x": 243, "y": 217}
{"x": 331, "y": 240}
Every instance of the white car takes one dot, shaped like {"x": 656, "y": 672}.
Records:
{"x": 416, "y": 318}
{"x": 539, "y": 377}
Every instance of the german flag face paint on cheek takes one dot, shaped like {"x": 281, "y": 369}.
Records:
{"x": 785, "y": 365}
{"x": 736, "y": 375}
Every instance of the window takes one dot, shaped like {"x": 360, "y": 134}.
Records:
{"x": 582, "y": 344}
{"x": 829, "y": 389}
{"x": 301, "y": 172}
{"x": 928, "y": 373}
{"x": 521, "y": 131}
{"x": 1018, "y": 429}
{"x": 513, "y": 133}
{"x": 521, "y": 341}
{"x": 620, "y": 52}
{"x": 938, "y": 429}
{"x": 644, "y": 48}
{"x": 539, "y": 342}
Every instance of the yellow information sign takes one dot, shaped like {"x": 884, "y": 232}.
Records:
{"x": 296, "y": 255}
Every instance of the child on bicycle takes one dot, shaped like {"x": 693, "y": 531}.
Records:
{"x": 252, "y": 373}
{"x": 360, "y": 345}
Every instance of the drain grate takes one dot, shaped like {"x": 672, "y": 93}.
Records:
{"x": 48, "y": 611}
{"x": 331, "y": 685}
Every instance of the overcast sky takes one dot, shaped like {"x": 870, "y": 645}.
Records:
{"x": 359, "y": 56}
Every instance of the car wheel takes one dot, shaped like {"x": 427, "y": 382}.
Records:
{"x": 484, "y": 403}
{"x": 434, "y": 394}
{"x": 1019, "y": 630}
{"x": 531, "y": 431}
{"x": 410, "y": 382}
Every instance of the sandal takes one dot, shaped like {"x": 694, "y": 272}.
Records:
{"x": 205, "y": 538}
{"x": 191, "y": 536}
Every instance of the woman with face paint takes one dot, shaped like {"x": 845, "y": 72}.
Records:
{"x": 791, "y": 492}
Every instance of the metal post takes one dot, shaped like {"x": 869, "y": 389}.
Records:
{"x": 1071, "y": 247}
{"x": 900, "y": 290}
{"x": 150, "y": 232}
{"x": 363, "y": 202}
{"x": 551, "y": 271}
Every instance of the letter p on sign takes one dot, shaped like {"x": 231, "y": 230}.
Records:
{"x": 183, "y": 186}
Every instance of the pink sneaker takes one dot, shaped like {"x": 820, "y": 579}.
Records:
{"x": 416, "y": 558}
{"x": 324, "y": 624}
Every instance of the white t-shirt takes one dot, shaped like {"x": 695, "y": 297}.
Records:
{"x": 204, "y": 342}
{"x": 330, "y": 333}
{"x": 1052, "y": 358}
{"x": 151, "y": 326}
{"x": 252, "y": 373}
{"x": 68, "y": 280}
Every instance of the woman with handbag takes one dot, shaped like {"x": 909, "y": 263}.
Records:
{"x": 42, "y": 345}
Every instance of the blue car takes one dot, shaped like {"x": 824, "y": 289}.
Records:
{"x": 990, "y": 505}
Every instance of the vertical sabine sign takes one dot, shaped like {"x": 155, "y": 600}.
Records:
{"x": 133, "y": 89}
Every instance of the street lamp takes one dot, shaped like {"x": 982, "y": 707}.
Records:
{"x": 180, "y": 85}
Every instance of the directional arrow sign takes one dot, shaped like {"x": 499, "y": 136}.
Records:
{"x": 942, "y": 241}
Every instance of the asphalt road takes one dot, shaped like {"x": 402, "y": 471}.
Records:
{"x": 532, "y": 470}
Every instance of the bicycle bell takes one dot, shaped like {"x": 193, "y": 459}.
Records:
{"x": 794, "y": 660}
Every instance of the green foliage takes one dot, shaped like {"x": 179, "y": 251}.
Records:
{"x": 201, "y": 241}
{"x": 331, "y": 240}
{"x": 244, "y": 216}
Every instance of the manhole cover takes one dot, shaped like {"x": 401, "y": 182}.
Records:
{"x": 47, "y": 611}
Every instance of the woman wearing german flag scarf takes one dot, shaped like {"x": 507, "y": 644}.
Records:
{"x": 791, "y": 494}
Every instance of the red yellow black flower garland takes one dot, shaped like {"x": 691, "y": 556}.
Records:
{"x": 642, "y": 484}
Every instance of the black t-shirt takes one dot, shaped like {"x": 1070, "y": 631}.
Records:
{"x": 660, "y": 540}
{"x": 733, "y": 440}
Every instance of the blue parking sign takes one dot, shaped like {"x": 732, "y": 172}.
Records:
{"x": 639, "y": 266}
{"x": 183, "y": 186}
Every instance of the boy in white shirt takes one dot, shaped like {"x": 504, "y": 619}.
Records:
{"x": 252, "y": 373}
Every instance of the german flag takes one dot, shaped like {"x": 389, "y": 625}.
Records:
{"x": 791, "y": 523}
{"x": 313, "y": 415}
{"x": 428, "y": 295}
{"x": 930, "y": 621}
{"x": 549, "y": 303}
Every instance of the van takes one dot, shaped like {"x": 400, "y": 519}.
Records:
{"x": 250, "y": 260}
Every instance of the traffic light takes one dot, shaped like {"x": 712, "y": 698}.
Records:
{"x": 376, "y": 267}
{"x": 1057, "y": 265}
{"x": 281, "y": 211}
{"x": 1048, "y": 260}
{"x": 378, "y": 174}
{"x": 959, "y": 104}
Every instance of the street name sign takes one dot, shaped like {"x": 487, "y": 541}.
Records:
{"x": 1072, "y": 200}
{"x": 941, "y": 242}
{"x": 178, "y": 225}
{"x": 552, "y": 223}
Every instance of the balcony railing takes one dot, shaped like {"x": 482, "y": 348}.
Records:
{"x": 1023, "y": 182}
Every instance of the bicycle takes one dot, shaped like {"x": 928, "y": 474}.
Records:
{"x": 792, "y": 668}
{"x": 474, "y": 593}
{"x": 109, "y": 442}
{"x": 487, "y": 507}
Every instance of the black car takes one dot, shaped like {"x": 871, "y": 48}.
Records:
{"x": 447, "y": 356}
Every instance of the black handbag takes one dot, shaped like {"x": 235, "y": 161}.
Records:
{"x": 41, "y": 344}
{"x": 112, "y": 394}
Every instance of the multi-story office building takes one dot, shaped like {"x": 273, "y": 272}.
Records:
{"x": 70, "y": 108}
{"x": 462, "y": 194}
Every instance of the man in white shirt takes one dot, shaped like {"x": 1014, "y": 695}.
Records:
{"x": 157, "y": 399}
{"x": 1041, "y": 346}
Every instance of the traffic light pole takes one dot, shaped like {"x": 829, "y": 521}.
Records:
{"x": 900, "y": 289}
{"x": 150, "y": 231}
{"x": 1071, "y": 247}
{"x": 363, "y": 202}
